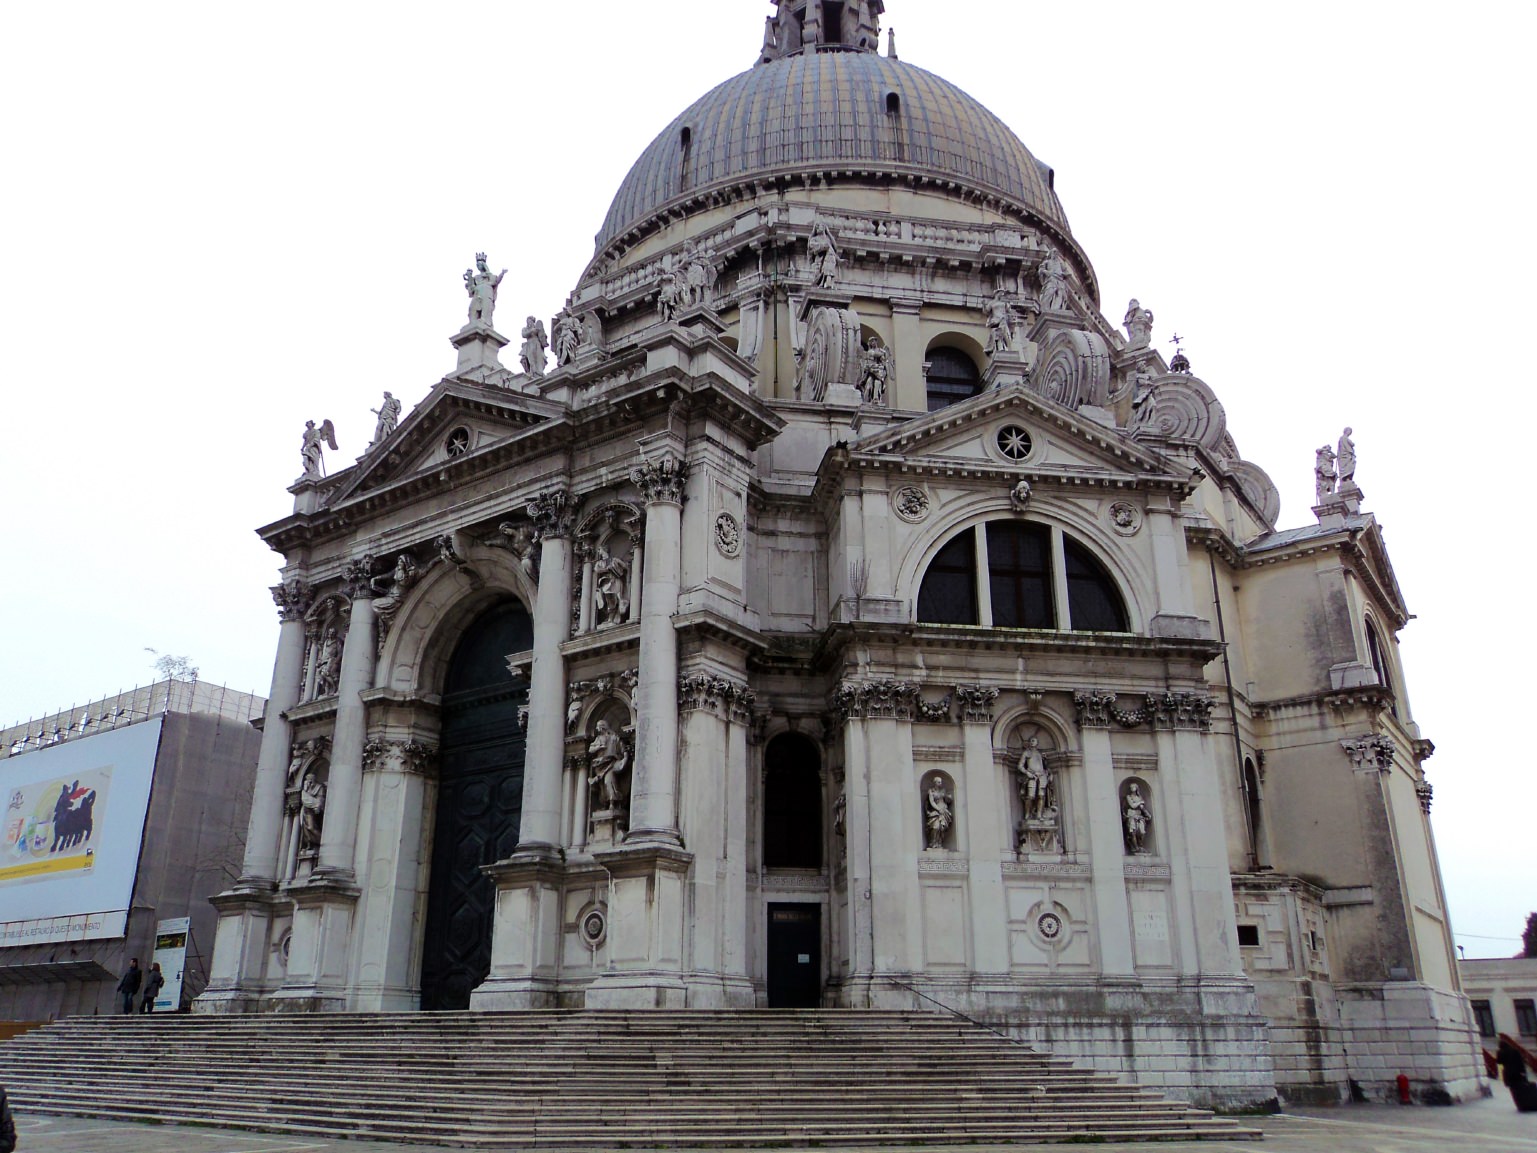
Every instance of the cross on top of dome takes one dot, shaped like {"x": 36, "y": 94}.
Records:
{"x": 822, "y": 25}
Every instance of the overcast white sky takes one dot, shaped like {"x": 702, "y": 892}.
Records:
{"x": 222, "y": 220}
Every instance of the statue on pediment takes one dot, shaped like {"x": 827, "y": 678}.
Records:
{"x": 568, "y": 337}
{"x": 482, "y": 286}
{"x": 389, "y": 417}
{"x": 1000, "y": 324}
{"x": 1054, "y": 289}
{"x": 1138, "y": 324}
{"x": 311, "y": 451}
{"x": 822, "y": 252}
{"x": 535, "y": 342}
{"x": 1323, "y": 473}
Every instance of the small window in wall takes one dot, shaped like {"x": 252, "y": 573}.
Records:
{"x": 1526, "y": 1018}
{"x": 1248, "y": 936}
{"x": 948, "y": 595}
{"x": 1483, "y": 1017}
{"x": 950, "y": 376}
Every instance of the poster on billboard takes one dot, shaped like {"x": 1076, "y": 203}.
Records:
{"x": 171, "y": 938}
{"x": 69, "y": 842}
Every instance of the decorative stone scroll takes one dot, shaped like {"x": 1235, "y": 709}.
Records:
{"x": 381, "y": 755}
{"x": 976, "y": 702}
{"x": 293, "y": 599}
{"x": 720, "y": 695}
{"x": 1374, "y": 752}
{"x": 662, "y": 479}
{"x": 833, "y": 353}
{"x": 551, "y": 513}
{"x": 875, "y": 700}
{"x": 1172, "y": 710}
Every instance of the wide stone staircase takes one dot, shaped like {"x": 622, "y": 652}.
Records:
{"x": 573, "y": 1079}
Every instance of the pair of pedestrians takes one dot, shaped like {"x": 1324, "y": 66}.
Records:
{"x": 128, "y": 987}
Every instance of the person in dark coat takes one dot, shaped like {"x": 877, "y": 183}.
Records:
{"x": 152, "y": 988}
{"x": 1513, "y": 1071}
{"x": 7, "y": 1125}
{"x": 128, "y": 987}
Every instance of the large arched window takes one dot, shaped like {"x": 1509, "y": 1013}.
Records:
{"x": 792, "y": 803}
{"x": 1028, "y": 566}
{"x": 950, "y": 375}
{"x": 1379, "y": 659}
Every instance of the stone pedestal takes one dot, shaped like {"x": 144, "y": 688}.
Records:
{"x": 479, "y": 347}
{"x": 608, "y": 828}
{"x": 319, "y": 947}
{"x": 525, "y": 942}
{"x": 241, "y": 950}
{"x": 645, "y": 928}
{"x": 1006, "y": 368}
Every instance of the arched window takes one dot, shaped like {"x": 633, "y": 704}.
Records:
{"x": 1379, "y": 659}
{"x": 792, "y": 804}
{"x": 1026, "y": 563}
{"x": 950, "y": 375}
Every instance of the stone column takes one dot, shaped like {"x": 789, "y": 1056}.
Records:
{"x": 654, "y": 792}
{"x": 979, "y": 785}
{"x": 344, "y": 789}
{"x": 266, "y": 828}
{"x": 1107, "y": 842}
{"x": 544, "y": 762}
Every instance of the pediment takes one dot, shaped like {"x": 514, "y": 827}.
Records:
{"x": 984, "y": 432}
{"x": 458, "y": 420}
{"x": 1374, "y": 554}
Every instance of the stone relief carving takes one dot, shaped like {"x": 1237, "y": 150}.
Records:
{"x": 481, "y": 287}
{"x": 521, "y": 540}
{"x": 933, "y": 712}
{"x": 1125, "y": 518}
{"x": 535, "y": 342}
{"x": 382, "y": 755}
{"x": 1052, "y": 276}
{"x": 551, "y": 513}
{"x": 874, "y": 371}
{"x": 911, "y": 504}
{"x": 661, "y": 479}
{"x": 976, "y": 702}
{"x": 1170, "y": 710}
{"x": 875, "y": 700}
{"x": 1374, "y": 752}
{"x": 841, "y": 815}
{"x": 1426, "y": 792}
{"x": 568, "y": 334}
{"x": 358, "y": 578}
{"x": 293, "y": 598}
{"x": 1019, "y": 495}
{"x": 938, "y": 813}
{"x": 822, "y": 255}
{"x": 1000, "y": 324}
{"x": 388, "y": 413}
{"x": 728, "y": 535}
{"x": 311, "y": 451}
{"x": 1137, "y": 818}
{"x": 721, "y": 695}
{"x": 1138, "y": 324}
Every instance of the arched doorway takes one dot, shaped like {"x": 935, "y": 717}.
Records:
{"x": 480, "y": 801}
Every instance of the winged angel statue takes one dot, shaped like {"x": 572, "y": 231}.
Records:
{"x": 314, "y": 438}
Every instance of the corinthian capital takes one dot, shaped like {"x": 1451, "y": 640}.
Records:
{"x": 293, "y": 599}
{"x": 358, "y": 578}
{"x": 661, "y": 479}
{"x": 551, "y": 513}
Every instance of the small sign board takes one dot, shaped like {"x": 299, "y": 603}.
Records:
{"x": 171, "y": 955}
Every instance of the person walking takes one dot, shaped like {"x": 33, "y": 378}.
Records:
{"x": 129, "y": 985}
{"x": 7, "y": 1125}
{"x": 152, "y": 988}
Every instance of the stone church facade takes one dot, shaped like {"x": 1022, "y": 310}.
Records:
{"x": 844, "y": 612}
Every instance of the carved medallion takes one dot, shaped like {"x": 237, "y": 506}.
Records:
{"x": 1049, "y": 925}
{"x": 728, "y": 535}
{"x": 1125, "y": 518}
{"x": 911, "y": 504}
{"x": 593, "y": 926}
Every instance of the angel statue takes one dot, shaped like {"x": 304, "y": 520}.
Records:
{"x": 314, "y": 438}
{"x": 482, "y": 286}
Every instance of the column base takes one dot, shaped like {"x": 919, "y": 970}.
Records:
{"x": 242, "y": 948}
{"x": 499, "y": 994}
{"x": 320, "y": 946}
{"x": 655, "y": 989}
{"x": 525, "y": 935}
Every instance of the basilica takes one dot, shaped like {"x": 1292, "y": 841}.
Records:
{"x": 834, "y": 607}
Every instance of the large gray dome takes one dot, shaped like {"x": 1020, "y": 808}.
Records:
{"x": 831, "y": 110}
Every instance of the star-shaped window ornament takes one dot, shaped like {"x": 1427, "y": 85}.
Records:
{"x": 1014, "y": 442}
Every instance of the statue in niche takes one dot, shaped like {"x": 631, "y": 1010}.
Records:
{"x": 568, "y": 337}
{"x": 1346, "y": 459}
{"x": 611, "y": 589}
{"x": 389, "y": 417}
{"x": 841, "y": 815}
{"x": 1000, "y": 324}
{"x": 606, "y": 759}
{"x": 672, "y": 296}
{"x": 1323, "y": 473}
{"x": 314, "y": 439}
{"x": 329, "y": 664}
{"x": 1137, "y": 818}
{"x": 1054, "y": 290}
{"x": 1138, "y": 324}
{"x": 535, "y": 341}
{"x": 482, "y": 286}
{"x": 874, "y": 371}
{"x": 822, "y": 252}
{"x": 312, "y": 810}
{"x": 938, "y": 815}
{"x": 1035, "y": 784}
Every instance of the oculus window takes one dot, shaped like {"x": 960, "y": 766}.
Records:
{"x": 1028, "y": 566}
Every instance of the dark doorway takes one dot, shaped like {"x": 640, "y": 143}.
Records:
{"x": 794, "y": 956}
{"x": 792, "y": 803}
{"x": 480, "y": 799}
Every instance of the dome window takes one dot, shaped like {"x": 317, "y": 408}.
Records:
{"x": 685, "y": 148}
{"x": 893, "y": 104}
{"x": 950, "y": 375}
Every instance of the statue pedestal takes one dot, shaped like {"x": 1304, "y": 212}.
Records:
{"x": 608, "y": 827}
{"x": 1040, "y": 837}
{"x": 1006, "y": 368}
{"x": 648, "y": 899}
{"x": 479, "y": 347}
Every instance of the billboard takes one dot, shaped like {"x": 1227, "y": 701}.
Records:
{"x": 69, "y": 835}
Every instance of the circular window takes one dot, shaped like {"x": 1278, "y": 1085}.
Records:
{"x": 1014, "y": 442}
{"x": 458, "y": 442}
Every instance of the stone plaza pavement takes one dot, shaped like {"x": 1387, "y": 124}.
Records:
{"x": 1489, "y": 1126}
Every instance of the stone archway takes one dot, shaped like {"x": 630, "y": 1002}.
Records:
{"x": 480, "y": 801}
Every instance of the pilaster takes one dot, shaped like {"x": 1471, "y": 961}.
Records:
{"x": 980, "y": 787}
{"x": 544, "y": 762}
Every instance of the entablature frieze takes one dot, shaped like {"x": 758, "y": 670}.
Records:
{"x": 1167, "y": 710}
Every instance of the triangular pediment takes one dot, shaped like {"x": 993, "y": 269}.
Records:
{"x": 1374, "y": 554}
{"x": 457, "y": 420}
{"x": 984, "y": 432}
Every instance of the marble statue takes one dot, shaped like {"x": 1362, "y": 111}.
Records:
{"x": 938, "y": 815}
{"x": 611, "y": 591}
{"x": 1137, "y": 818}
{"x": 1034, "y": 781}
{"x": 389, "y": 417}
{"x": 1347, "y": 460}
{"x": 672, "y": 295}
{"x": 1000, "y": 324}
{"x": 1053, "y": 278}
{"x": 314, "y": 440}
{"x": 312, "y": 810}
{"x": 1323, "y": 473}
{"x": 841, "y": 815}
{"x": 523, "y": 543}
{"x": 568, "y": 337}
{"x": 535, "y": 341}
{"x": 874, "y": 371}
{"x": 1138, "y": 324}
{"x": 482, "y": 286}
{"x": 698, "y": 274}
{"x": 1142, "y": 389}
{"x": 392, "y": 589}
{"x": 329, "y": 665}
{"x": 822, "y": 252}
{"x": 1019, "y": 495}
{"x": 606, "y": 759}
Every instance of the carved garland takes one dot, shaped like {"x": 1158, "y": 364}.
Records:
{"x": 1170, "y": 710}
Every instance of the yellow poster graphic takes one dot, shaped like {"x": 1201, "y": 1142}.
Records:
{"x": 53, "y": 826}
